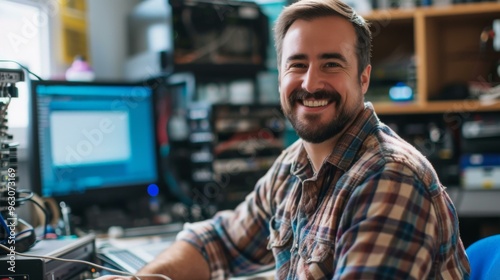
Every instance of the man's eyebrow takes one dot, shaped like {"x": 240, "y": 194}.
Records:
{"x": 299, "y": 56}
{"x": 334, "y": 55}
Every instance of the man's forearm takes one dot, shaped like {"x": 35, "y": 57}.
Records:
{"x": 179, "y": 261}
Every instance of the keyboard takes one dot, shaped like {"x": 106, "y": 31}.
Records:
{"x": 133, "y": 257}
{"x": 125, "y": 259}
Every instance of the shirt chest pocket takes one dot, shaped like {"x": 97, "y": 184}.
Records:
{"x": 317, "y": 257}
{"x": 280, "y": 235}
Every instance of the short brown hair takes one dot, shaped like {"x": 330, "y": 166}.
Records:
{"x": 312, "y": 9}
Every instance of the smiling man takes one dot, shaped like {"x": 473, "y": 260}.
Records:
{"x": 320, "y": 85}
{"x": 350, "y": 199}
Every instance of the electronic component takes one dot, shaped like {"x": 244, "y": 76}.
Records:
{"x": 11, "y": 75}
{"x": 8, "y": 79}
{"x": 82, "y": 248}
{"x": 14, "y": 231}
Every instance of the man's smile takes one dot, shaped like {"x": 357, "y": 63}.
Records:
{"x": 315, "y": 103}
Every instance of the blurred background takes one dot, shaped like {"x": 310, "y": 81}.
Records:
{"x": 208, "y": 124}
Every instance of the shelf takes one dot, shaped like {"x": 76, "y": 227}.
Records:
{"x": 441, "y": 44}
{"x": 238, "y": 165}
{"x": 481, "y": 203}
{"x": 433, "y": 11}
{"x": 389, "y": 108}
{"x": 480, "y": 8}
{"x": 458, "y": 106}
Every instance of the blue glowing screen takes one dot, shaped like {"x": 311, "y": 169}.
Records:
{"x": 94, "y": 136}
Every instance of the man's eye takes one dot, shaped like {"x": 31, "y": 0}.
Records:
{"x": 298, "y": 65}
{"x": 332, "y": 64}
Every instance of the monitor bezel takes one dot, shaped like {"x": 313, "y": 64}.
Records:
{"x": 177, "y": 186}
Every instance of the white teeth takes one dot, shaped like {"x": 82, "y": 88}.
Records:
{"x": 315, "y": 103}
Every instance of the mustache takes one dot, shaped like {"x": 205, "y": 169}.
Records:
{"x": 301, "y": 94}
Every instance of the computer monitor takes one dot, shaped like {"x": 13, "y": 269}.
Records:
{"x": 93, "y": 146}
{"x": 197, "y": 36}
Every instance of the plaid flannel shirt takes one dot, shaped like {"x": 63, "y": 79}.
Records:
{"x": 374, "y": 210}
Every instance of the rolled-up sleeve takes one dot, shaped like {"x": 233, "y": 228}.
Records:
{"x": 234, "y": 241}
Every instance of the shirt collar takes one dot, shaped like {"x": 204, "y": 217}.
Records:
{"x": 344, "y": 153}
{"x": 352, "y": 140}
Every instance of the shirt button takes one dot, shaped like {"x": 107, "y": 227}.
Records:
{"x": 296, "y": 245}
{"x": 309, "y": 259}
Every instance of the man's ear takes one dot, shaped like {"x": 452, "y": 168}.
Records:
{"x": 279, "y": 81}
{"x": 365, "y": 78}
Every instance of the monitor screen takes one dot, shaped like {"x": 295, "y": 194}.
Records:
{"x": 93, "y": 144}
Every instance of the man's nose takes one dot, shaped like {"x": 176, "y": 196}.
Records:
{"x": 313, "y": 80}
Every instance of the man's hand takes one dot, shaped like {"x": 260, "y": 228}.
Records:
{"x": 176, "y": 262}
{"x": 122, "y": 277}
{"x": 114, "y": 277}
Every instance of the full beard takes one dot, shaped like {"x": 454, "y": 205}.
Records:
{"x": 310, "y": 129}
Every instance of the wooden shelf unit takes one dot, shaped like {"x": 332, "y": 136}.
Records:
{"x": 74, "y": 37}
{"x": 445, "y": 43}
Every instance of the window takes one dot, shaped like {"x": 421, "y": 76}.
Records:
{"x": 24, "y": 27}
{"x": 24, "y": 30}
